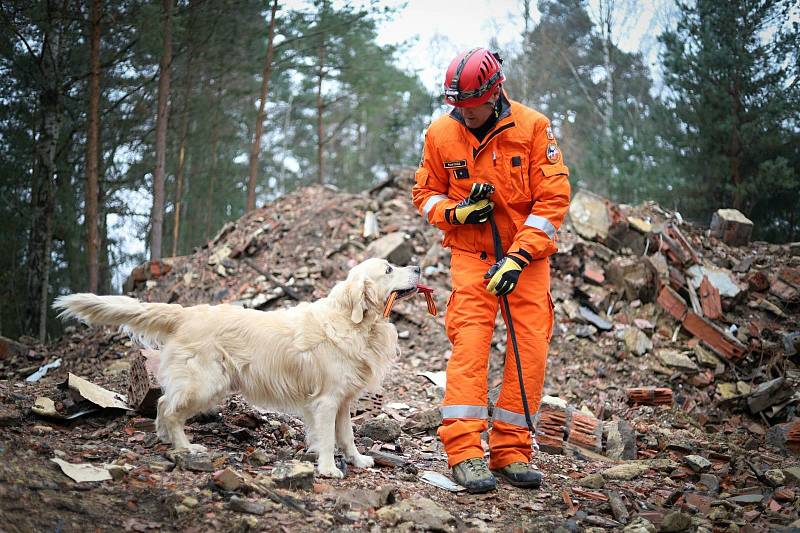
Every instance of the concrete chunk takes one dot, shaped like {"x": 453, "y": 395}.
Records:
{"x": 589, "y": 215}
{"x": 731, "y": 226}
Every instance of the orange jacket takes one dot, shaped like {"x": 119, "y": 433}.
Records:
{"x": 520, "y": 157}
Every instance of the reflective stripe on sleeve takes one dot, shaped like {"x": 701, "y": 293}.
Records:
{"x": 509, "y": 417}
{"x": 432, "y": 201}
{"x": 464, "y": 411}
{"x": 535, "y": 221}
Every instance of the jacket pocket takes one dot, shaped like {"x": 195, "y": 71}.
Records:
{"x": 421, "y": 177}
{"x": 519, "y": 190}
{"x": 554, "y": 170}
{"x": 449, "y": 327}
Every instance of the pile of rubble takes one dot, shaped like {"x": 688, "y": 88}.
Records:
{"x": 718, "y": 318}
{"x": 671, "y": 390}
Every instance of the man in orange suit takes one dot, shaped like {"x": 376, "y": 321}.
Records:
{"x": 490, "y": 143}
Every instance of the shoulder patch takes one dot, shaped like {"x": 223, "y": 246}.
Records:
{"x": 553, "y": 153}
{"x": 455, "y": 164}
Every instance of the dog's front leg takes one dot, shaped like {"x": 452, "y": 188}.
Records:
{"x": 344, "y": 438}
{"x": 325, "y": 434}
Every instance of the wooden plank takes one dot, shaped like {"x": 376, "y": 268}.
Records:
{"x": 694, "y": 299}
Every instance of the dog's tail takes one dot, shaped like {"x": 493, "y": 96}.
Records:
{"x": 150, "y": 323}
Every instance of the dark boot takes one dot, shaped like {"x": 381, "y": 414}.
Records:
{"x": 520, "y": 475}
{"x": 474, "y": 475}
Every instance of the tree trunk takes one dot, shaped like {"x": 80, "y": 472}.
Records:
{"x": 104, "y": 269}
{"x": 92, "y": 136}
{"x": 320, "y": 108}
{"x": 256, "y": 146}
{"x": 735, "y": 150}
{"x": 187, "y": 94}
{"x": 157, "y": 215}
{"x": 606, "y": 10}
{"x": 44, "y": 178}
{"x": 176, "y": 226}
{"x": 214, "y": 143}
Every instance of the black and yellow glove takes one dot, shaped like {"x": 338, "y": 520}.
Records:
{"x": 504, "y": 275}
{"x": 473, "y": 209}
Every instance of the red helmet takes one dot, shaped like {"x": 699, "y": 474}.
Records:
{"x": 471, "y": 77}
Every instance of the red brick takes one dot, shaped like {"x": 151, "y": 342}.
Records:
{"x": 143, "y": 387}
{"x": 758, "y": 281}
{"x": 672, "y": 302}
{"x": 709, "y": 299}
{"x": 650, "y": 395}
{"x": 719, "y": 341}
{"x": 585, "y": 431}
{"x": 550, "y": 429}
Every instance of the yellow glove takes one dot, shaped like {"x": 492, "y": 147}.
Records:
{"x": 475, "y": 208}
{"x": 504, "y": 275}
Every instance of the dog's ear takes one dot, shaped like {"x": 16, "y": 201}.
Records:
{"x": 357, "y": 296}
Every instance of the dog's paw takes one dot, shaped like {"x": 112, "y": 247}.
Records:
{"x": 330, "y": 471}
{"x": 361, "y": 461}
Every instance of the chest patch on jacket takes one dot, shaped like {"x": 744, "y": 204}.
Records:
{"x": 461, "y": 173}
{"x": 456, "y": 164}
{"x": 516, "y": 161}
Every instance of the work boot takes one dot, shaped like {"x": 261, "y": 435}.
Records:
{"x": 474, "y": 475}
{"x": 520, "y": 475}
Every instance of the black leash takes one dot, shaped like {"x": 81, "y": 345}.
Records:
{"x": 498, "y": 255}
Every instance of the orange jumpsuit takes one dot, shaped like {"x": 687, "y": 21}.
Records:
{"x": 521, "y": 158}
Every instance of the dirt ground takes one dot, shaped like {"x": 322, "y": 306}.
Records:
{"x": 747, "y": 484}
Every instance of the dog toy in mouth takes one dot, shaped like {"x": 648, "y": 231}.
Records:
{"x": 399, "y": 295}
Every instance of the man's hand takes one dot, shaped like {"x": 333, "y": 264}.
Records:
{"x": 504, "y": 275}
{"x": 475, "y": 208}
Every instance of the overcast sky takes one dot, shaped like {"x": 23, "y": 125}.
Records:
{"x": 439, "y": 30}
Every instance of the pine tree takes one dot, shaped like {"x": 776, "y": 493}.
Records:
{"x": 732, "y": 68}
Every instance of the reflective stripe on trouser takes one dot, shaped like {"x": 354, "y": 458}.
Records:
{"x": 470, "y": 318}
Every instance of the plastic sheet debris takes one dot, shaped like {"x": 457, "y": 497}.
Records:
{"x": 438, "y": 480}
{"x": 81, "y": 472}
{"x": 39, "y": 374}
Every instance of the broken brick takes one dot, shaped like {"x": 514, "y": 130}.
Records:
{"x": 672, "y": 302}
{"x": 719, "y": 341}
{"x": 757, "y": 281}
{"x": 586, "y": 431}
{"x": 143, "y": 388}
{"x": 784, "y": 291}
{"x": 550, "y": 429}
{"x": 650, "y": 395}
{"x": 709, "y": 299}
{"x": 594, "y": 273}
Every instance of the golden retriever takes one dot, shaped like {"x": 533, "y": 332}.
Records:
{"x": 311, "y": 360}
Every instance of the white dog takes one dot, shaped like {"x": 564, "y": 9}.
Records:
{"x": 311, "y": 360}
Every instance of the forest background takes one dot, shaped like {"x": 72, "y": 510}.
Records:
{"x": 134, "y": 130}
